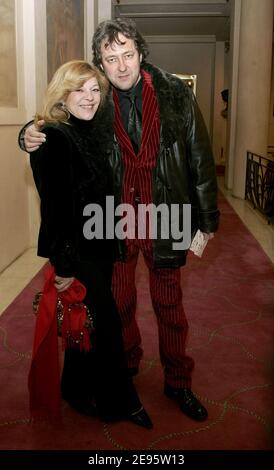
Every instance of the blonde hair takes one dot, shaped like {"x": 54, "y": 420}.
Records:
{"x": 67, "y": 78}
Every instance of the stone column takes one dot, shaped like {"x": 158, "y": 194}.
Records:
{"x": 254, "y": 86}
{"x": 235, "y": 20}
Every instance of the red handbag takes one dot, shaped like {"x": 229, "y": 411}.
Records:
{"x": 74, "y": 319}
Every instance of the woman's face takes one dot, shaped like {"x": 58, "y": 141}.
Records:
{"x": 83, "y": 103}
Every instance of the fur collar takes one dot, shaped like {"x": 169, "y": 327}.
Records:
{"x": 173, "y": 98}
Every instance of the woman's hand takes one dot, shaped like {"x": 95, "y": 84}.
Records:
{"x": 34, "y": 137}
{"x": 63, "y": 283}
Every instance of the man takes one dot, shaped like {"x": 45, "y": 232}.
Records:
{"x": 161, "y": 155}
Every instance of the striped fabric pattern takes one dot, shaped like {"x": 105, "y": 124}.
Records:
{"x": 165, "y": 287}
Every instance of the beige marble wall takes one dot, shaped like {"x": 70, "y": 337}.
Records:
{"x": 14, "y": 213}
{"x": 190, "y": 55}
{"x": 250, "y": 85}
{"x": 254, "y": 85}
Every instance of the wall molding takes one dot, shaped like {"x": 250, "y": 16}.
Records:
{"x": 181, "y": 39}
{"x": 17, "y": 115}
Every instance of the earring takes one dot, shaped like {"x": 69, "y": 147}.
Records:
{"x": 64, "y": 109}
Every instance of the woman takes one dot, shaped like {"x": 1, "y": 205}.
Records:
{"x": 70, "y": 171}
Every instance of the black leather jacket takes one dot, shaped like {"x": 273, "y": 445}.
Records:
{"x": 185, "y": 168}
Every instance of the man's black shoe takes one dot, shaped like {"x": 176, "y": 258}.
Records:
{"x": 189, "y": 404}
{"x": 141, "y": 418}
{"x": 132, "y": 371}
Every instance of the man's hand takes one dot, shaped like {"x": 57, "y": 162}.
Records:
{"x": 208, "y": 236}
{"x": 199, "y": 242}
{"x": 63, "y": 283}
{"x": 33, "y": 137}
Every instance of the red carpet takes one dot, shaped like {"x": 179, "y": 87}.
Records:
{"x": 229, "y": 301}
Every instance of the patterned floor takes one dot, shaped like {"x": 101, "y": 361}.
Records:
{"x": 229, "y": 302}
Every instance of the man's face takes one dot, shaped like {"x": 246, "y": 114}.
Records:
{"x": 121, "y": 63}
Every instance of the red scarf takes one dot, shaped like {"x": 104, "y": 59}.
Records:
{"x": 44, "y": 375}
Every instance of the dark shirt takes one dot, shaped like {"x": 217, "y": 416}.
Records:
{"x": 124, "y": 102}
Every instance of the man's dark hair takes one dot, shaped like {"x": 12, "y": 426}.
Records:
{"x": 110, "y": 30}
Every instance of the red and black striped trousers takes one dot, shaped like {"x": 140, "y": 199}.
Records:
{"x": 166, "y": 296}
